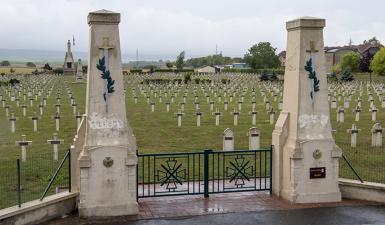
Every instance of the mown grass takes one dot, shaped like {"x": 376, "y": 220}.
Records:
{"x": 157, "y": 132}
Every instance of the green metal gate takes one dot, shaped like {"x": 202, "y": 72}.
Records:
{"x": 207, "y": 172}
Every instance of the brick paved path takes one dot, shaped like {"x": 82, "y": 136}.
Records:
{"x": 187, "y": 206}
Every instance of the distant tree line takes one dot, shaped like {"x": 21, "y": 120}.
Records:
{"x": 212, "y": 60}
{"x": 367, "y": 62}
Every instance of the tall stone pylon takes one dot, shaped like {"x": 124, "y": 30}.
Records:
{"x": 68, "y": 66}
{"x": 305, "y": 156}
{"x": 108, "y": 159}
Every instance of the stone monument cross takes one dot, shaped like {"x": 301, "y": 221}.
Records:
{"x": 312, "y": 52}
{"x": 106, "y": 47}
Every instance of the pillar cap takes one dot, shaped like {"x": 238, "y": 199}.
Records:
{"x": 103, "y": 17}
{"x": 306, "y": 22}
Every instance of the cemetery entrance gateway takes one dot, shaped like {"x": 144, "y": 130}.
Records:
{"x": 206, "y": 172}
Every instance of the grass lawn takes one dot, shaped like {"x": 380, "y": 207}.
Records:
{"x": 158, "y": 132}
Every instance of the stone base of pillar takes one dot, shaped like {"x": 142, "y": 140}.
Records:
{"x": 107, "y": 182}
{"x": 110, "y": 210}
{"x": 293, "y": 197}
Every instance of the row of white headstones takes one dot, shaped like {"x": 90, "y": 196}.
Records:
{"x": 39, "y": 86}
{"x": 272, "y": 90}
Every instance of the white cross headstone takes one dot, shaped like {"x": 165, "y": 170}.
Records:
{"x": 228, "y": 140}
{"x": 12, "y": 120}
{"x": 377, "y": 135}
{"x": 217, "y": 115}
{"x": 23, "y": 145}
{"x": 198, "y": 115}
{"x": 354, "y": 132}
{"x": 179, "y": 114}
{"x": 235, "y": 115}
{"x": 254, "y": 138}
{"x": 55, "y": 142}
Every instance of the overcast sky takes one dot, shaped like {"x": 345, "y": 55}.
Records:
{"x": 169, "y": 26}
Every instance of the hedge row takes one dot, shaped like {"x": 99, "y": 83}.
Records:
{"x": 279, "y": 71}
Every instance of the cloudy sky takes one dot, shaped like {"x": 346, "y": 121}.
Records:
{"x": 165, "y": 27}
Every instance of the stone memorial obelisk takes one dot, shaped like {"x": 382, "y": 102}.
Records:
{"x": 305, "y": 156}
{"x": 108, "y": 158}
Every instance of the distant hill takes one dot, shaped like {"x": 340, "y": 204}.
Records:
{"x": 56, "y": 58}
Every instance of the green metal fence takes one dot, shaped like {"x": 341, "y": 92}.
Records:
{"x": 40, "y": 175}
{"x": 367, "y": 161}
{"x": 205, "y": 172}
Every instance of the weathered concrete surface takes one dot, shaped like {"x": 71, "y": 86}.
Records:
{"x": 368, "y": 191}
{"x": 359, "y": 215}
{"x": 39, "y": 211}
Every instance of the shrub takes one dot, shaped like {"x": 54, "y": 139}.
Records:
{"x": 264, "y": 76}
{"x": 347, "y": 75}
{"x": 5, "y": 63}
{"x": 378, "y": 63}
{"x": 30, "y": 64}
{"x": 58, "y": 71}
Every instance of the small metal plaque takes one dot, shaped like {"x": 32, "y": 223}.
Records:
{"x": 228, "y": 138}
{"x": 317, "y": 172}
{"x": 317, "y": 154}
{"x": 255, "y": 135}
{"x": 108, "y": 162}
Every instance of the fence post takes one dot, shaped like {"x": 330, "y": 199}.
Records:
{"x": 18, "y": 183}
{"x": 69, "y": 171}
{"x": 206, "y": 154}
{"x": 271, "y": 169}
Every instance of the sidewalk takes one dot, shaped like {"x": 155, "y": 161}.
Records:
{"x": 232, "y": 205}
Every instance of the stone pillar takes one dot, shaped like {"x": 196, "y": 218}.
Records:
{"x": 108, "y": 158}
{"x": 305, "y": 156}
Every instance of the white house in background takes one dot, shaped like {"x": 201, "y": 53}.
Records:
{"x": 239, "y": 65}
{"x": 205, "y": 69}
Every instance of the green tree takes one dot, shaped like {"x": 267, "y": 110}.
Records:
{"x": 350, "y": 61}
{"x": 169, "y": 64}
{"x": 47, "y": 67}
{"x": 262, "y": 55}
{"x": 347, "y": 75}
{"x": 365, "y": 62}
{"x": 378, "y": 63}
{"x": 5, "y": 63}
{"x": 12, "y": 70}
{"x": 30, "y": 64}
{"x": 264, "y": 76}
{"x": 372, "y": 41}
{"x": 180, "y": 61}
